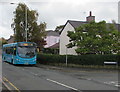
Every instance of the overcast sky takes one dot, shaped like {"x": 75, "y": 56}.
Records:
{"x": 57, "y": 12}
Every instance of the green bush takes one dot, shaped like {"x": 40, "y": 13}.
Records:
{"x": 80, "y": 59}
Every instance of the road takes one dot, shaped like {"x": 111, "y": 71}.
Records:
{"x": 32, "y": 78}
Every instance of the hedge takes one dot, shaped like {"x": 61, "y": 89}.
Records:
{"x": 80, "y": 59}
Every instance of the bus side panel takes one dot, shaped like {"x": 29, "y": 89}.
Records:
{"x": 8, "y": 58}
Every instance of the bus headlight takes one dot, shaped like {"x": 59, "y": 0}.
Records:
{"x": 17, "y": 59}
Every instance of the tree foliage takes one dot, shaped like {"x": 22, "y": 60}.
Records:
{"x": 35, "y": 31}
{"x": 95, "y": 38}
{"x": 2, "y": 41}
{"x": 59, "y": 28}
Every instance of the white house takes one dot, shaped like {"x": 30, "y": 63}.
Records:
{"x": 64, "y": 39}
{"x": 70, "y": 26}
{"x": 52, "y": 38}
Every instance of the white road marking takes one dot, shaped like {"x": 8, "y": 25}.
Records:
{"x": 30, "y": 72}
{"x": 89, "y": 79}
{"x": 36, "y": 74}
{"x": 63, "y": 84}
{"x": 115, "y": 83}
{"x": 56, "y": 82}
{"x": 33, "y": 73}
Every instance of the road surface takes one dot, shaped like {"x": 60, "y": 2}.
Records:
{"x": 32, "y": 78}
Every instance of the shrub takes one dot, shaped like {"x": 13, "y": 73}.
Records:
{"x": 80, "y": 59}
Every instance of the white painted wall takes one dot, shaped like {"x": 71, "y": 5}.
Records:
{"x": 51, "y": 40}
{"x": 64, "y": 40}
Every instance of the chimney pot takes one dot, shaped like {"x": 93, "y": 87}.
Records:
{"x": 90, "y": 17}
{"x": 90, "y": 13}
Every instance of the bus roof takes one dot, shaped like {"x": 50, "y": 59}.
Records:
{"x": 14, "y": 44}
{"x": 11, "y": 44}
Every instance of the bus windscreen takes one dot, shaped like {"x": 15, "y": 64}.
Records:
{"x": 26, "y": 51}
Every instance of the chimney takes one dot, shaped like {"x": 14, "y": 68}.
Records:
{"x": 90, "y": 17}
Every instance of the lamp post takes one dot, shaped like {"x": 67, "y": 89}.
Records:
{"x": 25, "y": 20}
{"x": 66, "y": 56}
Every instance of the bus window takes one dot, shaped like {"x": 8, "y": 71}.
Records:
{"x": 7, "y": 50}
{"x": 4, "y": 50}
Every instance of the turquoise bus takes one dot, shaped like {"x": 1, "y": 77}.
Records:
{"x": 20, "y": 53}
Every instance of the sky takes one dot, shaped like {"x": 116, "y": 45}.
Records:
{"x": 57, "y": 12}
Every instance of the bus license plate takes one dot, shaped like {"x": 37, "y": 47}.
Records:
{"x": 26, "y": 63}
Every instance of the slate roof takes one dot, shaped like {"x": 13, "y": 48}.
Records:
{"x": 76, "y": 24}
{"x": 54, "y": 46}
{"x": 52, "y": 33}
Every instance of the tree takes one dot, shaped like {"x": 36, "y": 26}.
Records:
{"x": 35, "y": 31}
{"x": 95, "y": 38}
{"x": 39, "y": 39}
{"x": 59, "y": 28}
{"x": 2, "y": 41}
